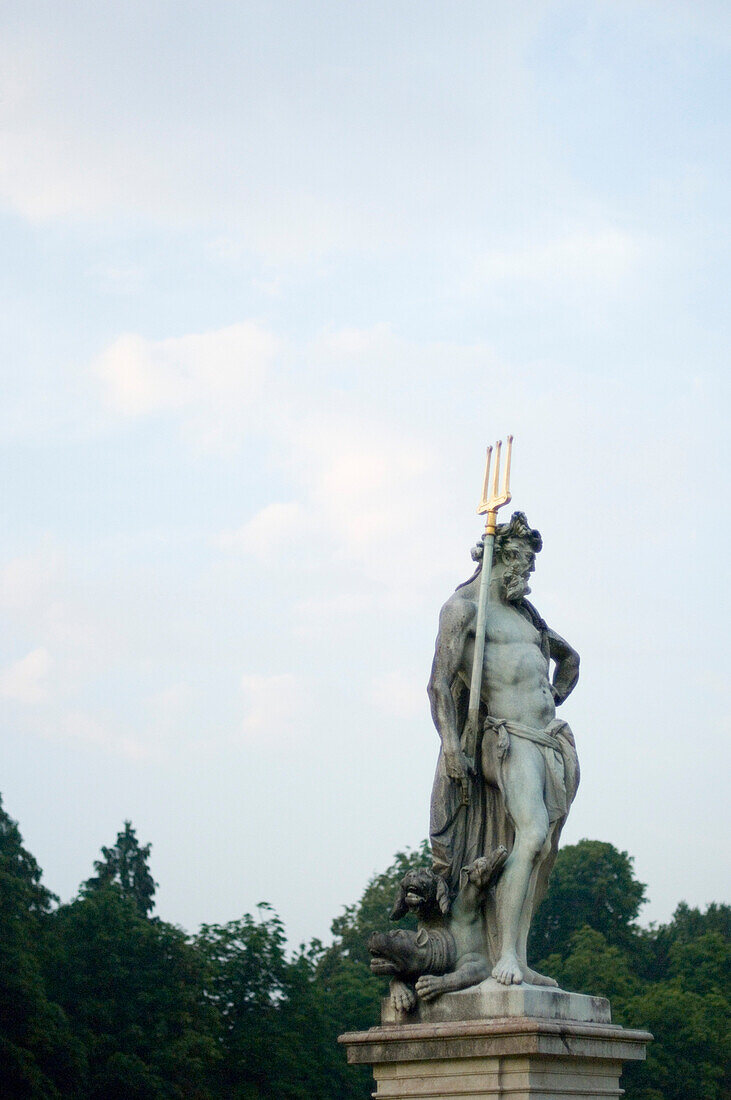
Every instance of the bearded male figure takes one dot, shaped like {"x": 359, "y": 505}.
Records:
{"x": 525, "y": 772}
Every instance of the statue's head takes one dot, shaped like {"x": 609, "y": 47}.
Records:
{"x": 514, "y": 555}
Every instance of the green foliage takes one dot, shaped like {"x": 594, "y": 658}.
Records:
{"x": 38, "y": 1054}
{"x": 247, "y": 967}
{"x": 690, "y": 1053}
{"x": 352, "y": 993}
{"x": 591, "y": 884}
{"x": 125, "y": 866}
{"x": 279, "y": 1024}
{"x": 133, "y": 990}
{"x": 20, "y": 876}
{"x": 686, "y": 926}
{"x": 688, "y": 1010}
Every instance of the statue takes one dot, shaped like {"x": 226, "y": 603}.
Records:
{"x": 506, "y": 776}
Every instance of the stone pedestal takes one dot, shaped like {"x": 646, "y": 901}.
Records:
{"x": 491, "y": 1041}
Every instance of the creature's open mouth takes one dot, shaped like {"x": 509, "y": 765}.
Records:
{"x": 382, "y": 966}
{"x": 413, "y": 899}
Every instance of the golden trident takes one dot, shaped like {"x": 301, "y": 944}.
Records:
{"x": 488, "y": 506}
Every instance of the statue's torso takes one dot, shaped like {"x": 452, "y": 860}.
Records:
{"x": 515, "y": 682}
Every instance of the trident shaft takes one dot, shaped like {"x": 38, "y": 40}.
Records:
{"x": 489, "y": 506}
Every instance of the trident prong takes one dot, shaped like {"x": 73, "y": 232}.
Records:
{"x": 489, "y": 505}
{"x": 482, "y": 507}
{"x": 496, "y": 471}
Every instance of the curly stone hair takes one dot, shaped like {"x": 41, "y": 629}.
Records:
{"x": 516, "y": 528}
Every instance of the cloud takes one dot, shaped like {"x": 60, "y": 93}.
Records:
{"x": 169, "y": 711}
{"x": 605, "y": 256}
{"x": 358, "y": 484}
{"x": 43, "y": 595}
{"x": 274, "y": 707}
{"x": 292, "y": 161}
{"x": 210, "y": 380}
{"x": 26, "y": 680}
{"x": 360, "y": 476}
{"x": 363, "y": 488}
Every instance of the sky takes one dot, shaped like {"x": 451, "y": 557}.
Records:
{"x": 274, "y": 274}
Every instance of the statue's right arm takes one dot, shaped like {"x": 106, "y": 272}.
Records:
{"x": 454, "y": 623}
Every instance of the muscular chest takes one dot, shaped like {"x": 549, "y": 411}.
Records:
{"x": 506, "y": 626}
{"x": 512, "y": 651}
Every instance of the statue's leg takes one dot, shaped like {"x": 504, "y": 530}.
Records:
{"x": 523, "y": 779}
{"x": 530, "y": 975}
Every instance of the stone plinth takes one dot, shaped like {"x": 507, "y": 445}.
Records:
{"x": 491, "y": 1000}
{"x": 509, "y": 1053}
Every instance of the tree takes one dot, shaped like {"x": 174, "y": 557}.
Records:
{"x": 592, "y": 884}
{"x": 689, "y": 1056}
{"x": 133, "y": 988}
{"x": 686, "y": 926}
{"x": 277, "y": 1037}
{"x": 685, "y": 1004}
{"x": 101, "y": 1001}
{"x": 38, "y": 1055}
{"x": 125, "y": 866}
{"x": 246, "y": 966}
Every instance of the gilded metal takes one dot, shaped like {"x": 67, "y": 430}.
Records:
{"x": 489, "y": 505}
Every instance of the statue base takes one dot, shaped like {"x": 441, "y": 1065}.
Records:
{"x": 520, "y": 1042}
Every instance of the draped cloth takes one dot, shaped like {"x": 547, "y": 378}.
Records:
{"x": 460, "y": 834}
{"x": 560, "y": 759}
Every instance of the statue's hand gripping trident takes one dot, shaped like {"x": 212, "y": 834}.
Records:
{"x": 489, "y": 506}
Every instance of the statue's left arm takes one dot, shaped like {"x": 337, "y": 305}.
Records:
{"x": 566, "y": 673}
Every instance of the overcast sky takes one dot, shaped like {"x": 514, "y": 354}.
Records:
{"x": 274, "y": 275}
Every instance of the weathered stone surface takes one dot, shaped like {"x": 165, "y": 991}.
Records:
{"x": 440, "y": 956}
{"x": 517, "y": 1057}
{"x": 491, "y": 1000}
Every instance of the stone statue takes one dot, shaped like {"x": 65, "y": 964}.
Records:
{"x": 506, "y": 776}
{"x": 524, "y": 774}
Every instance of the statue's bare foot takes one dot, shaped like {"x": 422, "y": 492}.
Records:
{"x": 429, "y": 986}
{"x": 534, "y": 978}
{"x": 403, "y": 997}
{"x": 508, "y": 970}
